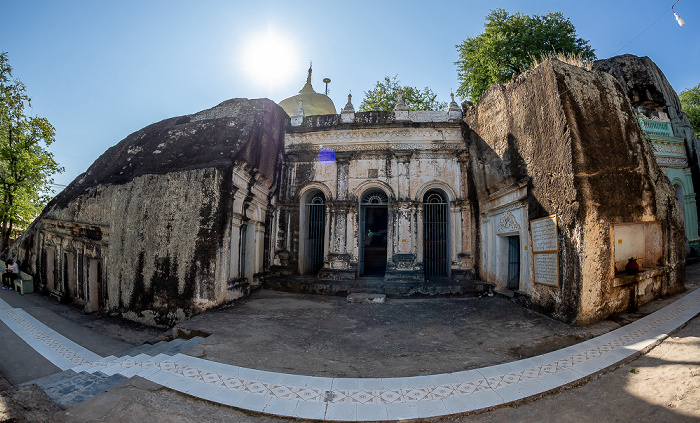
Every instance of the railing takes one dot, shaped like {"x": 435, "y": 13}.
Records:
{"x": 655, "y": 127}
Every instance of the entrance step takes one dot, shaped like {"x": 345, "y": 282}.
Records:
{"x": 507, "y": 293}
{"x": 363, "y": 297}
{"x": 392, "y": 289}
{"x": 171, "y": 348}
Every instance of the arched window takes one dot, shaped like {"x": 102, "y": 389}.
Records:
{"x": 435, "y": 234}
{"x": 315, "y": 232}
{"x": 375, "y": 198}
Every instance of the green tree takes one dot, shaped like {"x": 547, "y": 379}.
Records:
{"x": 690, "y": 104}
{"x": 509, "y": 45}
{"x": 25, "y": 166}
{"x": 384, "y": 94}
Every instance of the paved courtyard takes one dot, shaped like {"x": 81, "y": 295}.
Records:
{"x": 323, "y": 358}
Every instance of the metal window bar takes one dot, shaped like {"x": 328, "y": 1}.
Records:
{"x": 316, "y": 212}
{"x": 435, "y": 235}
{"x": 514, "y": 263}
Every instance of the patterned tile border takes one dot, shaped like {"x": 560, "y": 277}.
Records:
{"x": 362, "y": 399}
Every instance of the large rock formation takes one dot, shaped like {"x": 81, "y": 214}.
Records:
{"x": 146, "y": 230}
{"x": 571, "y": 138}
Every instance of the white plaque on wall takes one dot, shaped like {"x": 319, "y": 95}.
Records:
{"x": 545, "y": 250}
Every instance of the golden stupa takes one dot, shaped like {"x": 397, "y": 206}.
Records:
{"x": 313, "y": 103}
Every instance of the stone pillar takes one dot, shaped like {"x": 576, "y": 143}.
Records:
{"x": 342, "y": 165}
{"x": 280, "y": 261}
{"x": 463, "y": 251}
{"x": 404, "y": 187}
{"x": 259, "y": 242}
{"x": 337, "y": 266}
{"x": 235, "y": 248}
{"x": 690, "y": 211}
{"x": 403, "y": 264}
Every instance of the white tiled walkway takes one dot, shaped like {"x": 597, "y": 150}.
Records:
{"x": 353, "y": 399}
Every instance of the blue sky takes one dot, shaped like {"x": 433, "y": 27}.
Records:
{"x": 102, "y": 70}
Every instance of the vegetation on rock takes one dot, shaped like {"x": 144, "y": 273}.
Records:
{"x": 690, "y": 104}
{"x": 510, "y": 44}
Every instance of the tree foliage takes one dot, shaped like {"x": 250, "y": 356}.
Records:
{"x": 25, "y": 165}
{"x": 510, "y": 44}
{"x": 690, "y": 104}
{"x": 385, "y": 93}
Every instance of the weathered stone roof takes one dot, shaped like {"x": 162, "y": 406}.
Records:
{"x": 641, "y": 79}
{"x": 231, "y": 131}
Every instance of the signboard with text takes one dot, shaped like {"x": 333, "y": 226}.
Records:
{"x": 545, "y": 250}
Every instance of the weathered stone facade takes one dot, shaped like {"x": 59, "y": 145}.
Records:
{"x": 561, "y": 141}
{"x": 153, "y": 228}
{"x": 190, "y": 212}
{"x": 399, "y": 158}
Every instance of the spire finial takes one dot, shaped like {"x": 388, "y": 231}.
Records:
{"x": 348, "y": 107}
{"x": 308, "y": 78}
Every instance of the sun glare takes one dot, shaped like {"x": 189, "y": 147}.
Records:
{"x": 269, "y": 59}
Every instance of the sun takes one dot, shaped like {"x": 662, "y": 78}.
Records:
{"x": 269, "y": 59}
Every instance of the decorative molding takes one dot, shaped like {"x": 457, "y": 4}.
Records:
{"x": 402, "y": 136}
{"x": 663, "y": 147}
{"x": 505, "y": 209}
{"x": 508, "y": 223}
{"x": 379, "y": 146}
{"x": 678, "y": 161}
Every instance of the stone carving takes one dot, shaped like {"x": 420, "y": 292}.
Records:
{"x": 508, "y": 224}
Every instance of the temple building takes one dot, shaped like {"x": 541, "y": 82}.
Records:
{"x": 544, "y": 191}
{"x": 670, "y": 153}
{"x": 374, "y": 194}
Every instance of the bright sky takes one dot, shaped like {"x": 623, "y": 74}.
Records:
{"x": 99, "y": 71}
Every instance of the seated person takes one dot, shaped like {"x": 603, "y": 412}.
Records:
{"x": 11, "y": 272}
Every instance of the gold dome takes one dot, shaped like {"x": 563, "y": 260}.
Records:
{"x": 313, "y": 102}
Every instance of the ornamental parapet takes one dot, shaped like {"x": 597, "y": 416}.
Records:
{"x": 655, "y": 127}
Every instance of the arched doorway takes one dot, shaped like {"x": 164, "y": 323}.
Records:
{"x": 681, "y": 199}
{"x": 315, "y": 209}
{"x": 373, "y": 233}
{"x": 435, "y": 235}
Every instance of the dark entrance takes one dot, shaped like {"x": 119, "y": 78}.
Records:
{"x": 315, "y": 231}
{"x": 435, "y": 235}
{"x": 374, "y": 215}
{"x": 514, "y": 263}
{"x": 243, "y": 249}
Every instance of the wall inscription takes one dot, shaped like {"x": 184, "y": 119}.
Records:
{"x": 544, "y": 234}
{"x": 545, "y": 250}
{"x": 546, "y": 269}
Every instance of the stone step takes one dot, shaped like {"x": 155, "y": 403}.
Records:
{"x": 165, "y": 347}
{"x": 69, "y": 388}
{"x": 361, "y": 297}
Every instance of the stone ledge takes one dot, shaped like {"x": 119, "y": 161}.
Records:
{"x": 644, "y": 273}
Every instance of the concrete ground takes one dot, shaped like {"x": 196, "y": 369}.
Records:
{"x": 327, "y": 336}
{"x": 324, "y": 336}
